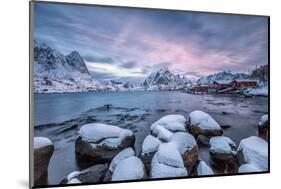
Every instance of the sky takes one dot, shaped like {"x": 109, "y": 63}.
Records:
{"x": 129, "y": 44}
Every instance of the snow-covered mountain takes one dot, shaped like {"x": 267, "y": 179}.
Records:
{"x": 224, "y": 75}
{"x": 54, "y": 72}
{"x": 164, "y": 79}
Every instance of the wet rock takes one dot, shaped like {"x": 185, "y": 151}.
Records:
{"x": 223, "y": 153}
{"x": 188, "y": 148}
{"x": 263, "y": 127}
{"x": 43, "y": 150}
{"x": 99, "y": 143}
{"x": 202, "y": 123}
{"x": 254, "y": 150}
{"x": 94, "y": 174}
{"x": 203, "y": 140}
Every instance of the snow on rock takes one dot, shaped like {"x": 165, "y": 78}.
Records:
{"x": 222, "y": 145}
{"x": 263, "y": 121}
{"x": 168, "y": 154}
{"x": 162, "y": 133}
{"x": 103, "y": 134}
{"x": 204, "y": 169}
{"x": 202, "y": 123}
{"x": 150, "y": 144}
{"x": 248, "y": 168}
{"x": 184, "y": 141}
{"x": 74, "y": 181}
{"x": 258, "y": 91}
{"x": 40, "y": 142}
{"x": 162, "y": 170}
{"x": 254, "y": 150}
{"x": 130, "y": 168}
{"x": 127, "y": 152}
{"x": 171, "y": 122}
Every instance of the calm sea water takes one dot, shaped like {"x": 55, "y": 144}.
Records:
{"x": 135, "y": 111}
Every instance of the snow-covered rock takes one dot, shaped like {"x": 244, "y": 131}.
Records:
{"x": 161, "y": 133}
{"x": 164, "y": 79}
{"x": 222, "y": 145}
{"x": 99, "y": 142}
{"x": 263, "y": 123}
{"x": 54, "y": 72}
{"x": 150, "y": 144}
{"x": 130, "y": 168}
{"x": 258, "y": 91}
{"x": 202, "y": 123}
{"x": 254, "y": 151}
{"x": 248, "y": 168}
{"x": 128, "y": 152}
{"x": 171, "y": 122}
{"x": 162, "y": 169}
{"x": 203, "y": 169}
{"x": 43, "y": 151}
{"x": 187, "y": 146}
{"x": 93, "y": 174}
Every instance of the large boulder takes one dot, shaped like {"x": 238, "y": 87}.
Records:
{"x": 188, "y": 148}
{"x": 149, "y": 148}
{"x": 223, "y": 153}
{"x": 203, "y": 169}
{"x": 94, "y": 174}
{"x": 263, "y": 126}
{"x": 254, "y": 151}
{"x": 201, "y": 123}
{"x": 164, "y": 127}
{"x": 130, "y": 168}
{"x": 43, "y": 150}
{"x": 167, "y": 162}
{"x": 99, "y": 143}
{"x": 127, "y": 152}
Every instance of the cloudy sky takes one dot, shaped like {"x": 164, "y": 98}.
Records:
{"x": 129, "y": 44}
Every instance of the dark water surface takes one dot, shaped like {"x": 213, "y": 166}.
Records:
{"x": 59, "y": 116}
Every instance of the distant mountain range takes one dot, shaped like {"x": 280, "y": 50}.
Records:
{"x": 55, "y": 72}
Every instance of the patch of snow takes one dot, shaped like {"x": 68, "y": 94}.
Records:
{"x": 74, "y": 181}
{"x": 171, "y": 122}
{"x": 203, "y": 120}
{"x": 222, "y": 145}
{"x": 150, "y": 144}
{"x": 263, "y": 120}
{"x": 168, "y": 154}
{"x": 184, "y": 141}
{"x": 248, "y": 168}
{"x": 103, "y": 134}
{"x": 73, "y": 175}
{"x": 204, "y": 169}
{"x": 255, "y": 152}
{"x": 127, "y": 152}
{"x": 161, "y": 170}
{"x": 40, "y": 142}
{"x": 258, "y": 91}
{"x": 162, "y": 133}
{"x": 130, "y": 168}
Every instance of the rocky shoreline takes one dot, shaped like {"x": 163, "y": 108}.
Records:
{"x": 172, "y": 149}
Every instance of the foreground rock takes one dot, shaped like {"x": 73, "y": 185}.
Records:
{"x": 203, "y": 169}
{"x": 167, "y": 162}
{"x": 248, "y": 168}
{"x": 164, "y": 127}
{"x": 149, "y": 148}
{"x": 130, "y": 168}
{"x": 43, "y": 150}
{"x": 254, "y": 151}
{"x": 94, "y": 174}
{"x": 127, "y": 152}
{"x": 99, "y": 143}
{"x": 187, "y": 146}
{"x": 201, "y": 123}
{"x": 263, "y": 126}
{"x": 223, "y": 153}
